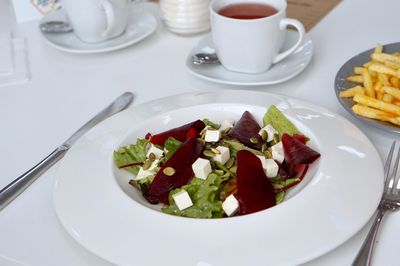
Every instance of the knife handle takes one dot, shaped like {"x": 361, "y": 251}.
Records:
{"x": 16, "y": 187}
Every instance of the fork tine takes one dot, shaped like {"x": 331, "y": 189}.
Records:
{"x": 387, "y": 166}
{"x": 395, "y": 180}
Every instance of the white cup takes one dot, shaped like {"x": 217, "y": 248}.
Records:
{"x": 251, "y": 45}
{"x": 97, "y": 20}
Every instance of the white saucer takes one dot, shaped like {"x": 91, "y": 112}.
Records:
{"x": 280, "y": 72}
{"x": 141, "y": 25}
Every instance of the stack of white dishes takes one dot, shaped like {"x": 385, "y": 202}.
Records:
{"x": 186, "y": 16}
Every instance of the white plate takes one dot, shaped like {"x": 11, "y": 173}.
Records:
{"x": 280, "y": 72}
{"x": 141, "y": 25}
{"x": 108, "y": 217}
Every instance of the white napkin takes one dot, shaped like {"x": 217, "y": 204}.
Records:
{"x": 6, "y": 54}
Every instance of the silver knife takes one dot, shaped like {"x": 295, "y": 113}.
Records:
{"x": 16, "y": 187}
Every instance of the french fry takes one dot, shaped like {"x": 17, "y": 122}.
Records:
{"x": 392, "y": 65}
{"x": 382, "y": 69}
{"x": 377, "y": 104}
{"x": 387, "y": 98}
{"x": 378, "y": 86}
{"x": 378, "y": 48}
{"x": 382, "y": 57}
{"x": 355, "y": 79}
{"x": 369, "y": 112}
{"x": 349, "y": 93}
{"x": 395, "y": 82}
{"x": 395, "y": 92}
{"x": 358, "y": 70}
{"x": 379, "y": 95}
{"x": 369, "y": 90}
{"x": 384, "y": 79}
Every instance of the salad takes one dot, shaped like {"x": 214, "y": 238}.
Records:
{"x": 207, "y": 170}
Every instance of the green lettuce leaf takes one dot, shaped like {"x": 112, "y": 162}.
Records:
{"x": 235, "y": 146}
{"x": 171, "y": 145}
{"x": 278, "y": 120}
{"x": 208, "y": 122}
{"x": 204, "y": 195}
{"x": 134, "y": 153}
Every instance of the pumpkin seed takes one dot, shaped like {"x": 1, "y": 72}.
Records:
{"x": 264, "y": 135}
{"x": 214, "y": 150}
{"x": 276, "y": 138}
{"x": 233, "y": 169}
{"x": 152, "y": 157}
{"x": 264, "y": 147}
{"x": 254, "y": 140}
{"x": 208, "y": 153}
{"x": 268, "y": 154}
{"x": 146, "y": 165}
{"x": 169, "y": 171}
{"x": 230, "y": 163}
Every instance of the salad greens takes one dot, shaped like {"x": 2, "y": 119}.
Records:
{"x": 209, "y": 193}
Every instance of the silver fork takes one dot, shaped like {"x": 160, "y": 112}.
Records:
{"x": 390, "y": 202}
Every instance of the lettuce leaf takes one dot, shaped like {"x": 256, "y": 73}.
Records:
{"x": 278, "y": 120}
{"x": 235, "y": 146}
{"x": 134, "y": 153}
{"x": 171, "y": 145}
{"x": 204, "y": 195}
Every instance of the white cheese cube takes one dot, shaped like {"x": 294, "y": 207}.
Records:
{"x": 224, "y": 155}
{"x": 230, "y": 205}
{"x": 156, "y": 151}
{"x": 146, "y": 173}
{"x": 263, "y": 161}
{"x": 277, "y": 152}
{"x": 225, "y": 125}
{"x": 182, "y": 200}
{"x": 201, "y": 168}
{"x": 272, "y": 168}
{"x": 212, "y": 135}
{"x": 271, "y": 131}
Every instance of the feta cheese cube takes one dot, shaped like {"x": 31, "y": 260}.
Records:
{"x": 263, "y": 161}
{"x": 212, "y": 135}
{"x": 224, "y": 155}
{"x": 271, "y": 131}
{"x": 156, "y": 151}
{"x": 225, "y": 125}
{"x": 146, "y": 173}
{"x": 272, "y": 168}
{"x": 277, "y": 152}
{"x": 182, "y": 200}
{"x": 201, "y": 168}
{"x": 269, "y": 166}
{"x": 230, "y": 205}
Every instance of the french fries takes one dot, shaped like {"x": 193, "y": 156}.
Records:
{"x": 377, "y": 87}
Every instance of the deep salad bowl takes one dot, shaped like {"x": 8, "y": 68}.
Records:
{"x": 105, "y": 215}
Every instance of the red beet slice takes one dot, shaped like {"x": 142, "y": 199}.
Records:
{"x": 297, "y": 153}
{"x": 179, "y": 133}
{"x": 254, "y": 190}
{"x": 181, "y": 161}
{"x": 245, "y": 129}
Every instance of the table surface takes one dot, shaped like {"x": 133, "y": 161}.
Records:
{"x": 66, "y": 90}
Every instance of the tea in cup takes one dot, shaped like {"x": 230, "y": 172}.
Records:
{"x": 98, "y": 20}
{"x": 248, "y": 36}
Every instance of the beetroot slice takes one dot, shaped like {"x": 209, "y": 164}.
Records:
{"x": 179, "y": 133}
{"x": 254, "y": 190}
{"x": 297, "y": 153}
{"x": 181, "y": 161}
{"x": 245, "y": 129}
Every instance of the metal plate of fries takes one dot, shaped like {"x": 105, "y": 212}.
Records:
{"x": 368, "y": 87}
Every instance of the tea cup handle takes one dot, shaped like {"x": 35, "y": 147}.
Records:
{"x": 300, "y": 28}
{"x": 110, "y": 17}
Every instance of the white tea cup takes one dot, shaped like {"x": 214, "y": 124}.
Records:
{"x": 98, "y": 20}
{"x": 251, "y": 44}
